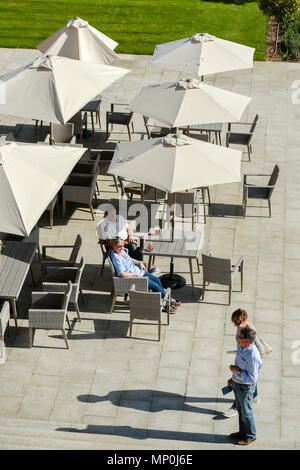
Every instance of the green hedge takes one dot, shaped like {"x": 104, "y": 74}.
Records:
{"x": 291, "y": 37}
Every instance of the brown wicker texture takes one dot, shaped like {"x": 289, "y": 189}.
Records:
{"x": 221, "y": 271}
{"x": 49, "y": 312}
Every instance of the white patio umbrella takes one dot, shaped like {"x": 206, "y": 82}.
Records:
{"x": 53, "y": 89}
{"x": 176, "y": 163}
{"x": 189, "y": 102}
{"x": 30, "y": 176}
{"x": 202, "y": 54}
{"x": 79, "y": 40}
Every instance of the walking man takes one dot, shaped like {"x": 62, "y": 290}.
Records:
{"x": 243, "y": 382}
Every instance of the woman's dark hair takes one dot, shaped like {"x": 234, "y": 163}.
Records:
{"x": 239, "y": 316}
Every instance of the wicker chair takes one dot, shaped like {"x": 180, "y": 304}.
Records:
{"x": 79, "y": 123}
{"x": 154, "y": 131}
{"x": 57, "y": 280}
{"x": 88, "y": 167}
{"x": 187, "y": 205}
{"x": 242, "y": 138}
{"x": 63, "y": 134}
{"x": 148, "y": 306}
{"x": 58, "y": 263}
{"x": 198, "y": 136}
{"x": 221, "y": 271}
{"x": 130, "y": 189}
{"x": 121, "y": 118}
{"x": 252, "y": 191}
{"x": 50, "y": 208}
{"x": 4, "y": 323}
{"x": 105, "y": 253}
{"x": 81, "y": 189}
{"x": 49, "y": 312}
{"x": 122, "y": 285}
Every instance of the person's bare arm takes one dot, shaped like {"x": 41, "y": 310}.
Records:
{"x": 124, "y": 274}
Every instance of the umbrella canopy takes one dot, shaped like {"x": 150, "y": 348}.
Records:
{"x": 189, "y": 102}
{"x": 53, "y": 89}
{"x": 202, "y": 54}
{"x": 79, "y": 40}
{"x": 30, "y": 176}
{"x": 174, "y": 163}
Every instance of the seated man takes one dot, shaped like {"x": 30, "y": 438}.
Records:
{"x": 125, "y": 266}
{"x": 113, "y": 226}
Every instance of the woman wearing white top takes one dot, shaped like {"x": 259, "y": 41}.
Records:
{"x": 240, "y": 319}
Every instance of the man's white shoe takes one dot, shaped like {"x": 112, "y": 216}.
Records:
{"x": 230, "y": 413}
{"x": 256, "y": 400}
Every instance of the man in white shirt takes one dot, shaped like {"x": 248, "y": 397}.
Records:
{"x": 113, "y": 226}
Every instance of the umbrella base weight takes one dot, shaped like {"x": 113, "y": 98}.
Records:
{"x": 173, "y": 281}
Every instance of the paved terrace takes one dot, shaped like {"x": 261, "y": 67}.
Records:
{"x": 109, "y": 391}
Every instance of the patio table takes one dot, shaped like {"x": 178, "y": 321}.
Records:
{"x": 15, "y": 261}
{"x": 186, "y": 244}
{"x": 215, "y": 128}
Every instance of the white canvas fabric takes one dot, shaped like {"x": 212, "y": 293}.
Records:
{"x": 53, "y": 89}
{"x": 30, "y": 176}
{"x": 202, "y": 54}
{"x": 176, "y": 105}
{"x": 79, "y": 40}
{"x": 175, "y": 168}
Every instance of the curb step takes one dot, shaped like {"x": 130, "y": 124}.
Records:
{"x": 33, "y": 435}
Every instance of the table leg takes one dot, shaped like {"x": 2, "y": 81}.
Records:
{"x": 14, "y": 310}
{"x": 192, "y": 276}
{"x": 93, "y": 127}
{"x": 203, "y": 202}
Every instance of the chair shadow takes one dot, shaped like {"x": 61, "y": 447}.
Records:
{"x": 225, "y": 210}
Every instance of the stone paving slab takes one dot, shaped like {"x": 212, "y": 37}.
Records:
{"x": 111, "y": 391}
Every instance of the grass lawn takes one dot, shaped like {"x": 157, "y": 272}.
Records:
{"x": 137, "y": 25}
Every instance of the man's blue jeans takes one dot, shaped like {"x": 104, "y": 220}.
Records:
{"x": 154, "y": 284}
{"x": 243, "y": 400}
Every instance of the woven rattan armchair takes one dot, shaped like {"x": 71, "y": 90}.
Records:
{"x": 49, "y": 312}
{"x": 88, "y": 167}
{"x": 148, "y": 306}
{"x": 129, "y": 188}
{"x": 79, "y": 123}
{"x": 4, "y": 323}
{"x": 63, "y": 134}
{"x": 154, "y": 131}
{"x": 242, "y": 138}
{"x": 59, "y": 263}
{"x": 57, "y": 281}
{"x": 81, "y": 189}
{"x": 252, "y": 191}
{"x": 121, "y": 118}
{"x": 221, "y": 271}
{"x": 122, "y": 285}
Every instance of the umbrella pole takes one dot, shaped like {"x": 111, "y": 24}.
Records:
{"x": 174, "y": 281}
{"x": 51, "y": 138}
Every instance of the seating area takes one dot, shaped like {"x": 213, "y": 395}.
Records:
{"x": 84, "y": 332}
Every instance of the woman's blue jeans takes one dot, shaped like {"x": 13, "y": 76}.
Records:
{"x": 154, "y": 284}
{"x": 243, "y": 400}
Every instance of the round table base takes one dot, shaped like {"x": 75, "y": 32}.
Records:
{"x": 174, "y": 281}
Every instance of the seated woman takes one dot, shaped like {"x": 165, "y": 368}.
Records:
{"x": 130, "y": 267}
{"x": 113, "y": 226}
